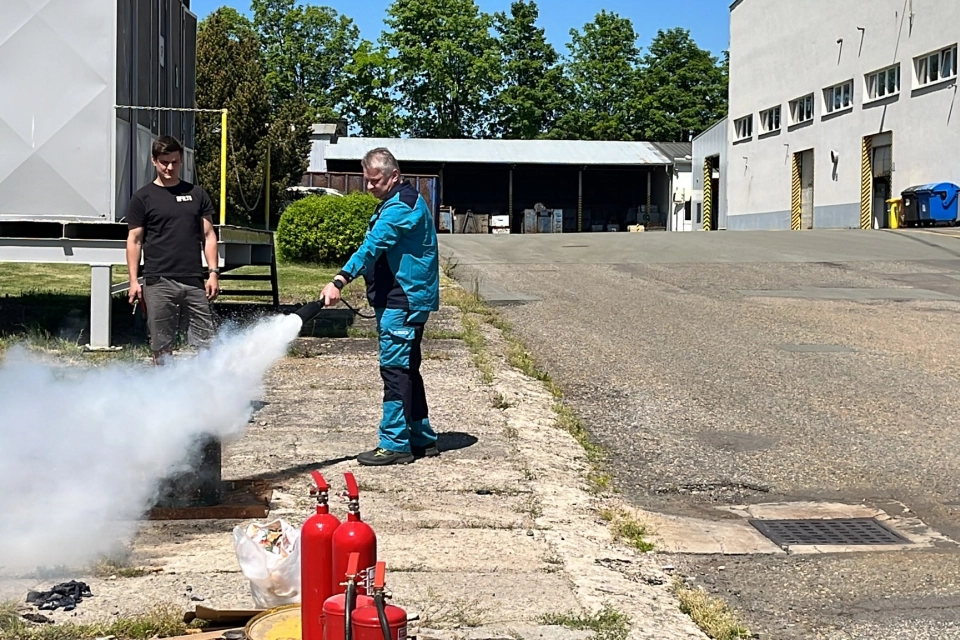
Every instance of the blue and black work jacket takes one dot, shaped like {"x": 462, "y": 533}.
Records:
{"x": 399, "y": 258}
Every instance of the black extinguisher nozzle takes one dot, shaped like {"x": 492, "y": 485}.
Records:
{"x": 309, "y": 311}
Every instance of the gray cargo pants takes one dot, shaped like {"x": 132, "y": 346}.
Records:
{"x": 171, "y": 304}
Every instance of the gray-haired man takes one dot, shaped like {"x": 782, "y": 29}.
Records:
{"x": 399, "y": 261}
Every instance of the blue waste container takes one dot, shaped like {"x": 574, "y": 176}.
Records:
{"x": 931, "y": 204}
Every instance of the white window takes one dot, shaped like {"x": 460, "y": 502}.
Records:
{"x": 838, "y": 97}
{"x": 770, "y": 120}
{"x": 801, "y": 109}
{"x": 744, "y": 127}
{"x": 883, "y": 83}
{"x": 936, "y": 66}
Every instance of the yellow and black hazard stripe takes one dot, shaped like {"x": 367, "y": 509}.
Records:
{"x": 866, "y": 185}
{"x": 707, "y": 194}
{"x": 796, "y": 199}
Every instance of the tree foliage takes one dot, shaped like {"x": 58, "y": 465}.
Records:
{"x": 684, "y": 88}
{"x": 231, "y": 75}
{"x": 532, "y": 93}
{"x": 604, "y": 71}
{"x": 442, "y": 68}
{"x": 306, "y": 49}
{"x": 370, "y": 101}
{"x": 447, "y": 66}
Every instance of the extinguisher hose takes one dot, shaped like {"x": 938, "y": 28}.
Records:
{"x": 382, "y": 614}
{"x": 350, "y": 601}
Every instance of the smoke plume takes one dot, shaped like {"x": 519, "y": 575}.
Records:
{"x": 83, "y": 450}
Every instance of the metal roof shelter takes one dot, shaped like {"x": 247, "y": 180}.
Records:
{"x": 678, "y": 151}
{"x": 596, "y": 184}
{"x": 545, "y": 152}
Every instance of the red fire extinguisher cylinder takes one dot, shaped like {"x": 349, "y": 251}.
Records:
{"x": 353, "y": 536}
{"x": 379, "y": 621}
{"x": 338, "y": 609}
{"x": 316, "y": 561}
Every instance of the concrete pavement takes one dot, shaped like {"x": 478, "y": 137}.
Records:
{"x": 481, "y": 543}
{"x": 744, "y": 368}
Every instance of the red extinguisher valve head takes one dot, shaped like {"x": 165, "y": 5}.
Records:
{"x": 321, "y": 491}
{"x": 320, "y": 481}
{"x": 353, "y": 491}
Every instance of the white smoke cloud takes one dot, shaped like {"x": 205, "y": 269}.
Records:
{"x": 83, "y": 450}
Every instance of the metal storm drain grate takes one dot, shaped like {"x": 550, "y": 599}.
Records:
{"x": 846, "y": 531}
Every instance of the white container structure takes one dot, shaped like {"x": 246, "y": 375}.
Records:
{"x": 70, "y": 157}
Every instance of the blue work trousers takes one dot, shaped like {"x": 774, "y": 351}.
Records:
{"x": 405, "y": 422}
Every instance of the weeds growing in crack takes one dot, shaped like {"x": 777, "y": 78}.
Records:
{"x": 607, "y": 624}
{"x": 439, "y": 613}
{"x": 626, "y": 528}
{"x": 531, "y": 506}
{"x": 500, "y": 401}
{"x": 711, "y": 614}
{"x": 117, "y": 566}
{"x": 162, "y": 621}
{"x": 473, "y": 311}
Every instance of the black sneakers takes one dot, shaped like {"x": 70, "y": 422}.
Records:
{"x": 425, "y": 452}
{"x": 382, "y": 457}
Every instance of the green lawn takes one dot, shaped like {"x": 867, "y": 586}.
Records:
{"x": 298, "y": 283}
{"x": 51, "y": 302}
{"x": 20, "y": 278}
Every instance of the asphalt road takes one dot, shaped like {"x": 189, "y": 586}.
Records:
{"x": 745, "y": 367}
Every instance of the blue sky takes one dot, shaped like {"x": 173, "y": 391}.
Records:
{"x": 707, "y": 20}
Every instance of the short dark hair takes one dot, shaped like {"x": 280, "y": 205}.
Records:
{"x": 166, "y": 144}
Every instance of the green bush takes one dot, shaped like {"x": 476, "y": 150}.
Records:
{"x": 324, "y": 229}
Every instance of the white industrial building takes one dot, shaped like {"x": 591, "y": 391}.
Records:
{"x": 835, "y": 107}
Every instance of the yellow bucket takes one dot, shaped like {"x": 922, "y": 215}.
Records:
{"x": 280, "y": 623}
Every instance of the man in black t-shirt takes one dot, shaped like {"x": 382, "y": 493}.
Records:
{"x": 171, "y": 221}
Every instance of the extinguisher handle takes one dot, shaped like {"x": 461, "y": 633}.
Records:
{"x": 320, "y": 481}
{"x": 353, "y": 565}
{"x": 380, "y": 576}
{"x": 353, "y": 491}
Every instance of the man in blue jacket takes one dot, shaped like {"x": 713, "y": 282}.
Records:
{"x": 400, "y": 264}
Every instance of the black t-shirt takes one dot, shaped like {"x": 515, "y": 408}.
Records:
{"x": 172, "y": 221}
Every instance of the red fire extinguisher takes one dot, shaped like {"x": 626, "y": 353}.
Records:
{"x": 353, "y": 536}
{"x": 338, "y": 609}
{"x": 379, "y": 621}
{"x": 316, "y": 561}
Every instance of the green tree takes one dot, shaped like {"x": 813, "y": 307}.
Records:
{"x": 532, "y": 93}
{"x": 370, "y": 101}
{"x": 306, "y": 49}
{"x": 230, "y": 75}
{"x": 447, "y": 66}
{"x": 684, "y": 88}
{"x": 604, "y": 70}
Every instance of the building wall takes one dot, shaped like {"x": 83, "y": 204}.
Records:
{"x": 711, "y": 143}
{"x": 66, "y": 152}
{"x": 151, "y": 74}
{"x": 782, "y": 50}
